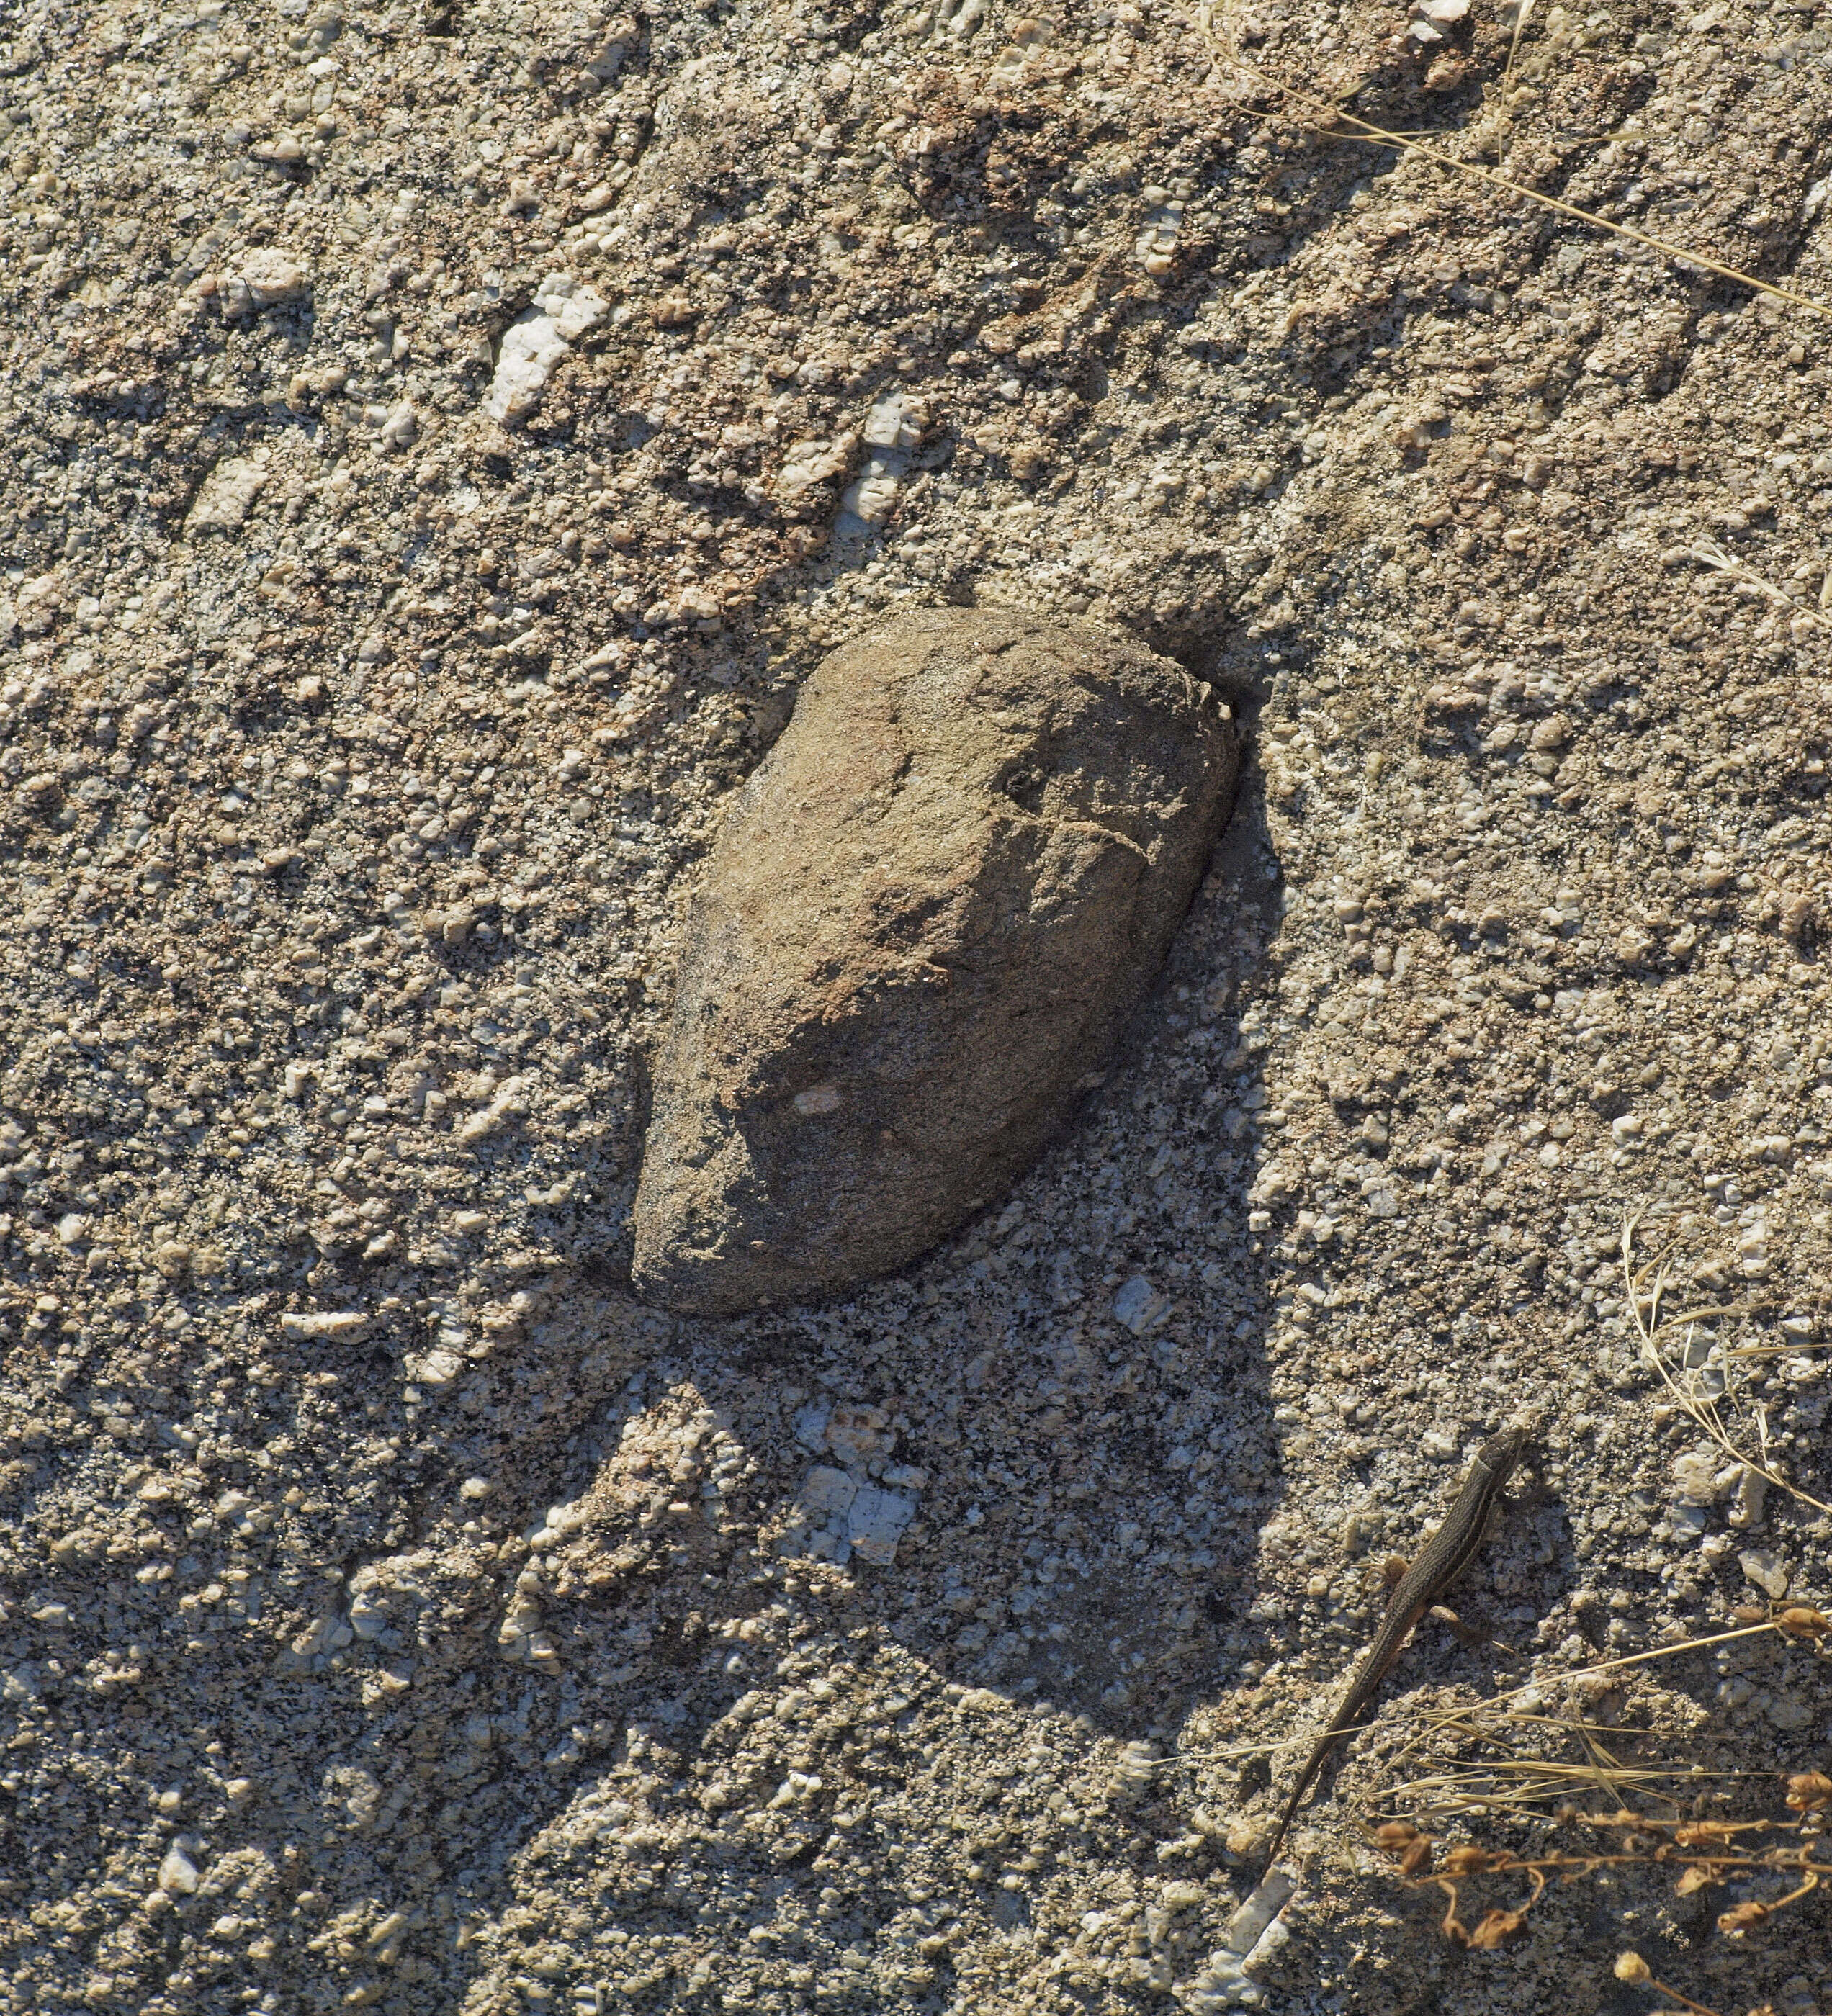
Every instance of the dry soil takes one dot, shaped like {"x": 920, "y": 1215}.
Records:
{"x": 439, "y": 441}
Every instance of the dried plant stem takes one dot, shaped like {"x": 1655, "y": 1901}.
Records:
{"x": 1707, "y": 552}
{"x": 1332, "y": 118}
{"x": 1705, "y": 1852}
{"x": 1641, "y": 1659}
{"x": 1522, "y": 9}
{"x": 1229, "y": 1754}
{"x": 1644, "y": 1311}
{"x": 1520, "y": 1780}
{"x": 1666, "y": 1988}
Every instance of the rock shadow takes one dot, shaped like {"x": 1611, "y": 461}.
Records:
{"x": 1028, "y": 1473}
{"x": 1038, "y": 1458}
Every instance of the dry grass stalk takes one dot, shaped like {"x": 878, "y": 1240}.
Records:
{"x": 1707, "y": 552}
{"x": 1522, "y": 9}
{"x": 1522, "y": 1779}
{"x": 1332, "y": 119}
{"x": 1233, "y": 1753}
{"x": 1689, "y": 1386}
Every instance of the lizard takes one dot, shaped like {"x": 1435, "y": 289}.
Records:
{"x": 1443, "y": 1558}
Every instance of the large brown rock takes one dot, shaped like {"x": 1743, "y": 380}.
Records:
{"x": 925, "y": 917}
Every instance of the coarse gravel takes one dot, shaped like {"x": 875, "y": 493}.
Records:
{"x": 440, "y": 440}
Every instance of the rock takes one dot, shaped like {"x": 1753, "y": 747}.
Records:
{"x": 177, "y": 1874}
{"x": 227, "y": 495}
{"x": 532, "y": 347}
{"x": 271, "y": 276}
{"x": 530, "y": 350}
{"x": 810, "y": 463}
{"x": 925, "y": 918}
{"x": 1766, "y": 1569}
{"x": 400, "y": 429}
{"x": 173, "y": 1259}
{"x": 1137, "y": 1303}
{"x": 336, "y": 1326}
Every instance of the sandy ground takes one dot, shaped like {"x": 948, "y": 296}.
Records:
{"x": 440, "y": 440}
